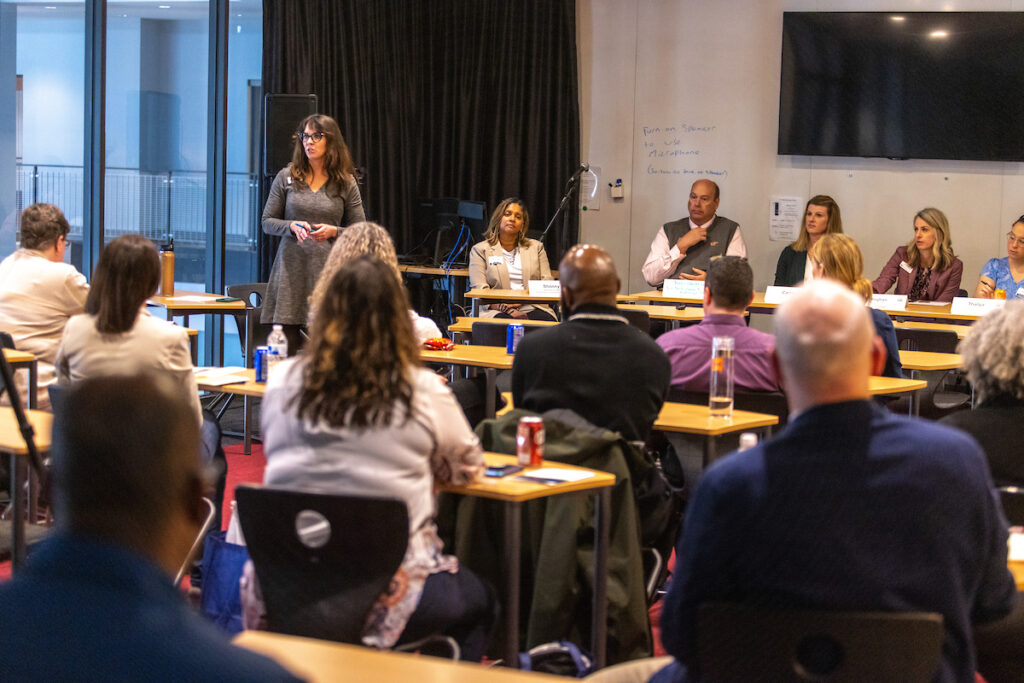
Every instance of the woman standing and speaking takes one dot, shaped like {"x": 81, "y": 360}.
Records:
{"x": 311, "y": 200}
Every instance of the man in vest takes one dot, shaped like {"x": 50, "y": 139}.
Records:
{"x": 686, "y": 247}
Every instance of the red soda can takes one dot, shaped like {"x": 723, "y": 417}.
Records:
{"x": 530, "y": 441}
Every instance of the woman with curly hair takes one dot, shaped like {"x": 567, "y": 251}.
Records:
{"x": 926, "y": 269}
{"x": 361, "y": 239}
{"x": 311, "y": 200}
{"x": 355, "y": 413}
{"x": 993, "y": 354}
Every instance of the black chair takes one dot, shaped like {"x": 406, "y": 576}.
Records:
{"x": 1012, "y": 498}
{"x": 936, "y": 341}
{"x": 739, "y": 643}
{"x": 494, "y": 334}
{"x": 252, "y": 294}
{"x": 768, "y": 402}
{"x": 323, "y": 559}
{"x": 638, "y": 318}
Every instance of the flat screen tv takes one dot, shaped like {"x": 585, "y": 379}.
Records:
{"x": 903, "y": 85}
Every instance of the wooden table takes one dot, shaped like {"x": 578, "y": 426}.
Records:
{"x": 23, "y": 359}
{"x": 885, "y": 386}
{"x": 929, "y": 361}
{"x": 321, "y": 661}
{"x": 489, "y": 358}
{"x": 521, "y": 295}
{"x": 249, "y": 388}
{"x": 696, "y": 419}
{"x": 13, "y": 443}
{"x": 513, "y": 492}
{"x": 185, "y": 303}
{"x": 433, "y": 270}
{"x": 961, "y": 330}
{"x": 464, "y": 323}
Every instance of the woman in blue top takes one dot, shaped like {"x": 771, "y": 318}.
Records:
{"x": 1005, "y": 273}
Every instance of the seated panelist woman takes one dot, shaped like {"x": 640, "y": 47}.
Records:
{"x": 508, "y": 259}
{"x": 821, "y": 217}
{"x": 1005, "y": 273}
{"x": 925, "y": 269}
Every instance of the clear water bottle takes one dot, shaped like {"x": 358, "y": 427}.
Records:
{"x": 277, "y": 344}
{"x": 720, "y": 395}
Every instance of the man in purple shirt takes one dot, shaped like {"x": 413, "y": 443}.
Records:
{"x": 729, "y": 290}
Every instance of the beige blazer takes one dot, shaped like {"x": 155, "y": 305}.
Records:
{"x": 485, "y": 275}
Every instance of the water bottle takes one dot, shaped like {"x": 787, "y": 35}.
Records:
{"x": 277, "y": 344}
{"x": 720, "y": 395}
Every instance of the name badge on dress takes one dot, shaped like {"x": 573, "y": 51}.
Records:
{"x": 1020, "y": 293}
{"x": 494, "y": 261}
{"x": 906, "y": 266}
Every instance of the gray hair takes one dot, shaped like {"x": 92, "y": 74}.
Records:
{"x": 358, "y": 239}
{"x": 993, "y": 353}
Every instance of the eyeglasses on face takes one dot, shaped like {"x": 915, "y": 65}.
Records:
{"x": 315, "y": 137}
{"x": 1011, "y": 238}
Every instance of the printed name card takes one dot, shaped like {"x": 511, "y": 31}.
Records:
{"x": 963, "y": 305}
{"x": 684, "y": 289}
{"x": 545, "y": 288}
{"x": 776, "y": 295}
{"x": 889, "y": 302}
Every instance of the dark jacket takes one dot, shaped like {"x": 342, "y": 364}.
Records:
{"x": 789, "y": 272}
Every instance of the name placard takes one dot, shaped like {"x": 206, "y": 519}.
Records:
{"x": 684, "y": 289}
{"x": 545, "y": 288}
{"x": 889, "y": 302}
{"x": 965, "y": 305}
{"x": 776, "y": 295}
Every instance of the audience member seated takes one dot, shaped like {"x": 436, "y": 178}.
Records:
{"x": 354, "y": 413}
{"x": 1005, "y": 273}
{"x": 837, "y": 257}
{"x": 116, "y": 334}
{"x": 849, "y": 507}
{"x": 96, "y": 601}
{"x": 992, "y": 355}
{"x": 358, "y": 240}
{"x": 595, "y": 363}
{"x": 39, "y": 293}
{"x": 508, "y": 259}
{"x": 684, "y": 248}
{"x": 925, "y": 269}
{"x": 821, "y": 217}
{"x": 729, "y": 290}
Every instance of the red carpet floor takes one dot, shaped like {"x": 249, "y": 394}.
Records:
{"x": 241, "y": 469}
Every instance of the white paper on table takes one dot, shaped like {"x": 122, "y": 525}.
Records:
{"x": 545, "y": 288}
{"x": 928, "y": 303}
{"x": 889, "y": 302}
{"x": 193, "y": 299}
{"x": 557, "y": 473}
{"x": 776, "y": 295}
{"x": 221, "y": 376}
{"x": 964, "y": 305}
{"x": 784, "y": 217}
{"x": 684, "y": 289}
{"x": 1016, "y": 545}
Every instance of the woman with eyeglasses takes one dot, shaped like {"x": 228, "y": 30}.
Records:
{"x": 926, "y": 269}
{"x": 1007, "y": 273}
{"x": 311, "y": 201}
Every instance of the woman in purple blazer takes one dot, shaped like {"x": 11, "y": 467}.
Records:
{"x": 925, "y": 269}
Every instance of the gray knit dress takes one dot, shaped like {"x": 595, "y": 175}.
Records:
{"x": 297, "y": 266}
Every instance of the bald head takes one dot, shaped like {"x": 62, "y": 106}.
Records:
{"x": 825, "y": 345}
{"x": 588, "y": 276}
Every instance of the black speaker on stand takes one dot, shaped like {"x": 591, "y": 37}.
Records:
{"x": 281, "y": 117}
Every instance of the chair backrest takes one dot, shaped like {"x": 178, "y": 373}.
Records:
{"x": 321, "y": 559}
{"x": 939, "y": 341}
{"x": 739, "y": 643}
{"x": 493, "y": 334}
{"x": 6, "y": 342}
{"x": 252, "y": 294}
{"x": 1012, "y": 498}
{"x": 638, "y": 318}
{"x": 768, "y": 402}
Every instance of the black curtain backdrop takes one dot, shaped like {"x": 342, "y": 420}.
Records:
{"x": 474, "y": 99}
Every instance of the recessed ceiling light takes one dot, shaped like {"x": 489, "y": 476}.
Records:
{"x": 164, "y": 6}
{"x": 897, "y": 18}
{"x": 939, "y": 34}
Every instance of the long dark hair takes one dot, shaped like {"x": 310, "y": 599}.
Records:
{"x": 494, "y": 225}
{"x": 337, "y": 159}
{"x": 360, "y": 350}
{"x": 127, "y": 273}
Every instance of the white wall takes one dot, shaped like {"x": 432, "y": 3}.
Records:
{"x": 715, "y": 66}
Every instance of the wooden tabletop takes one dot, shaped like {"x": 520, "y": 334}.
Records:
{"x": 961, "y": 330}
{"x": 524, "y": 295}
{"x": 186, "y": 300}
{"x": 513, "y": 489}
{"x": 15, "y": 356}
{"x": 929, "y": 360}
{"x": 250, "y": 387}
{"x": 893, "y": 385}
{"x": 467, "y": 354}
{"x": 433, "y": 270}
{"x": 692, "y": 418}
{"x": 688, "y": 314}
{"x": 464, "y": 323}
{"x": 321, "y": 661}
{"x": 11, "y": 440}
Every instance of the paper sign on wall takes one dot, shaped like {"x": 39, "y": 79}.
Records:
{"x": 684, "y": 289}
{"x": 545, "y": 288}
{"x": 889, "y": 302}
{"x": 776, "y": 295}
{"x": 963, "y": 305}
{"x": 784, "y": 217}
